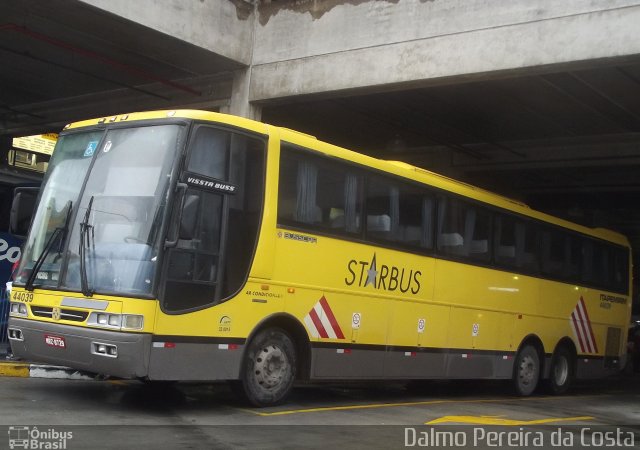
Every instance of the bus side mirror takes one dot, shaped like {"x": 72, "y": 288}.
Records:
{"x": 22, "y": 210}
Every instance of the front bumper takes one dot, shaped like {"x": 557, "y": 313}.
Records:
{"x": 133, "y": 349}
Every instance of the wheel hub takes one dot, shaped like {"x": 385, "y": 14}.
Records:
{"x": 270, "y": 366}
{"x": 561, "y": 371}
{"x": 527, "y": 370}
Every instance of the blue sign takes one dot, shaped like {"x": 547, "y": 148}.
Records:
{"x": 91, "y": 149}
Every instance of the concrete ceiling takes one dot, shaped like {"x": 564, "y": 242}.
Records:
{"x": 64, "y": 60}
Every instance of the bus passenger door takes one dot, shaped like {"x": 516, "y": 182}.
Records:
{"x": 209, "y": 250}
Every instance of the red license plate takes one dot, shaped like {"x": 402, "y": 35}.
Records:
{"x": 55, "y": 341}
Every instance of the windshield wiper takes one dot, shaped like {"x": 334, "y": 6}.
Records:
{"x": 86, "y": 238}
{"x": 58, "y": 232}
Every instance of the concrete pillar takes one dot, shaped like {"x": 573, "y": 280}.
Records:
{"x": 5, "y": 145}
{"x": 239, "y": 103}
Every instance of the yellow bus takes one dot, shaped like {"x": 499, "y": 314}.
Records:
{"x": 190, "y": 245}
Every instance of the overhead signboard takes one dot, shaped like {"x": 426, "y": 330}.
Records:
{"x": 40, "y": 143}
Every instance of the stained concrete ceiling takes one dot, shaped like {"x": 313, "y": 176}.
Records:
{"x": 65, "y": 60}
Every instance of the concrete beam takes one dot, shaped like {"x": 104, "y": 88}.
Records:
{"x": 379, "y": 45}
{"x": 216, "y": 92}
{"x": 221, "y": 26}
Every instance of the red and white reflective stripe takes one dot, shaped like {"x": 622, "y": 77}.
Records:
{"x": 164, "y": 345}
{"x": 343, "y": 351}
{"x": 582, "y": 330}
{"x": 410, "y": 353}
{"x": 227, "y": 346}
{"x": 321, "y": 322}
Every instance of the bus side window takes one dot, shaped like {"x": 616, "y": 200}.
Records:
{"x": 416, "y": 218}
{"x": 318, "y": 193}
{"x": 620, "y": 270}
{"x": 464, "y": 230}
{"x": 527, "y": 246}
{"x": 573, "y": 258}
{"x": 587, "y": 268}
{"x": 209, "y": 153}
{"x": 382, "y": 209}
{"x": 450, "y": 227}
{"x": 399, "y": 213}
{"x": 247, "y": 173}
{"x": 553, "y": 252}
{"x": 193, "y": 265}
{"x": 602, "y": 265}
{"x": 505, "y": 241}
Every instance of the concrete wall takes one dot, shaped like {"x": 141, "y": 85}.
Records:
{"x": 310, "y": 47}
{"x": 304, "y": 47}
{"x": 221, "y": 26}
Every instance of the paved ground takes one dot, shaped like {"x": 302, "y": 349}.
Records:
{"x": 117, "y": 414}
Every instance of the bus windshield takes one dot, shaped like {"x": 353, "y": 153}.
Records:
{"x": 100, "y": 211}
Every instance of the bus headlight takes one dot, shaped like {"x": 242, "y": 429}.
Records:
{"x": 116, "y": 321}
{"x": 132, "y": 322}
{"x": 18, "y": 309}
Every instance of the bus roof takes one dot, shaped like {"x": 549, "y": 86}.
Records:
{"x": 227, "y": 119}
{"x": 399, "y": 168}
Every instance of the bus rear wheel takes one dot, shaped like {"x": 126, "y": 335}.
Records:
{"x": 269, "y": 368}
{"x": 561, "y": 374}
{"x": 526, "y": 371}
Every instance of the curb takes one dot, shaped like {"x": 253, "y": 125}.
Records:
{"x": 28, "y": 370}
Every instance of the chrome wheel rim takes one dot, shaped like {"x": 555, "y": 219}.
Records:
{"x": 561, "y": 371}
{"x": 528, "y": 371}
{"x": 271, "y": 366}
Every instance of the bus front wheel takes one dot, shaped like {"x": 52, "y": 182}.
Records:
{"x": 269, "y": 368}
{"x": 526, "y": 371}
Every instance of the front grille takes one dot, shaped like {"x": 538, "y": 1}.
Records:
{"x": 65, "y": 314}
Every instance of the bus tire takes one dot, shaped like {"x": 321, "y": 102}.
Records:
{"x": 526, "y": 371}
{"x": 269, "y": 368}
{"x": 561, "y": 374}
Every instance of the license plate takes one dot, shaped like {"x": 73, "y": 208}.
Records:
{"x": 55, "y": 341}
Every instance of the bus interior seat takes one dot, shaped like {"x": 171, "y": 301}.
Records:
{"x": 412, "y": 234}
{"x": 507, "y": 251}
{"x": 337, "y": 218}
{"x": 451, "y": 240}
{"x": 314, "y": 215}
{"x": 452, "y": 243}
{"x": 527, "y": 260}
{"x": 380, "y": 223}
{"x": 480, "y": 246}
